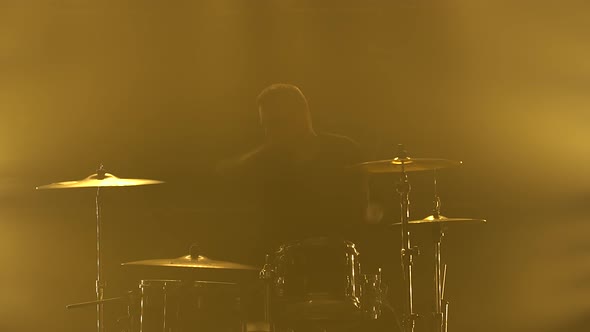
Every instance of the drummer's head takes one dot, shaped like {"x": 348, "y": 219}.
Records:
{"x": 284, "y": 113}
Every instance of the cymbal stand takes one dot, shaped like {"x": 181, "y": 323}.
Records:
{"x": 441, "y": 306}
{"x": 100, "y": 283}
{"x": 407, "y": 251}
{"x": 266, "y": 275}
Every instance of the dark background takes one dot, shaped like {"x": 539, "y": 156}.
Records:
{"x": 164, "y": 90}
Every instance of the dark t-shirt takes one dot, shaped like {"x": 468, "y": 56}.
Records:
{"x": 293, "y": 200}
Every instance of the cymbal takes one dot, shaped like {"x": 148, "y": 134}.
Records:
{"x": 95, "y": 181}
{"x": 443, "y": 219}
{"x": 410, "y": 165}
{"x": 188, "y": 261}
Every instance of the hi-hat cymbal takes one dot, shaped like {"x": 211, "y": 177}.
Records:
{"x": 443, "y": 219}
{"x": 409, "y": 164}
{"x": 95, "y": 181}
{"x": 188, "y": 261}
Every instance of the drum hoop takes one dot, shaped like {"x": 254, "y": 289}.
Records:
{"x": 182, "y": 283}
{"x": 317, "y": 241}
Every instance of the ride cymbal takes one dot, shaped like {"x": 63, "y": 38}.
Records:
{"x": 188, "y": 261}
{"x": 409, "y": 165}
{"x": 98, "y": 180}
{"x": 443, "y": 219}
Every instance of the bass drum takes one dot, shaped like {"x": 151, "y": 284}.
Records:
{"x": 175, "y": 306}
{"x": 316, "y": 279}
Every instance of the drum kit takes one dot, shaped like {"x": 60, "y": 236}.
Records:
{"x": 303, "y": 285}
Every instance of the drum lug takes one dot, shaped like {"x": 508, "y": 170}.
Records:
{"x": 371, "y": 296}
{"x": 267, "y": 271}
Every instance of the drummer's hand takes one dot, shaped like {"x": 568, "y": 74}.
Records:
{"x": 373, "y": 213}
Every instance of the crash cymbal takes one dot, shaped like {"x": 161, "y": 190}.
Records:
{"x": 95, "y": 181}
{"x": 443, "y": 219}
{"x": 410, "y": 165}
{"x": 188, "y": 261}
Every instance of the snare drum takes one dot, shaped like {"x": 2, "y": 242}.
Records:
{"x": 174, "y": 306}
{"x": 316, "y": 279}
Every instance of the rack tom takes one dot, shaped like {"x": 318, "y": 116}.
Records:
{"x": 316, "y": 279}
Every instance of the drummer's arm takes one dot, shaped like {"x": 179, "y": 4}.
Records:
{"x": 240, "y": 164}
{"x": 373, "y": 211}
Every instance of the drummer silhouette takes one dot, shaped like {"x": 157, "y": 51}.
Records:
{"x": 307, "y": 202}
{"x": 300, "y": 177}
